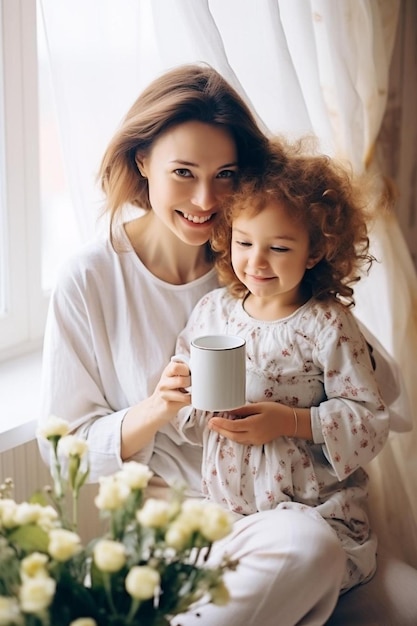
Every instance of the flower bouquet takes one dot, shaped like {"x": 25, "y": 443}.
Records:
{"x": 149, "y": 566}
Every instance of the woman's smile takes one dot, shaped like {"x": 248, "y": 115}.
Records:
{"x": 196, "y": 219}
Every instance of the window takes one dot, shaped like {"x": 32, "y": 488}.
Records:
{"x": 23, "y": 304}
{"x": 37, "y": 229}
{"x": 47, "y": 205}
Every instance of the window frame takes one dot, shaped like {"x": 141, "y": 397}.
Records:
{"x": 22, "y": 323}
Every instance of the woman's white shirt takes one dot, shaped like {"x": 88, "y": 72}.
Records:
{"x": 111, "y": 329}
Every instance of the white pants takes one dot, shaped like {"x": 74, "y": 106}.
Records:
{"x": 291, "y": 566}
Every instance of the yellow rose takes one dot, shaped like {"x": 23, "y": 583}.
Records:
{"x": 9, "y": 611}
{"x": 27, "y": 513}
{"x": 142, "y": 582}
{"x": 34, "y": 565}
{"x": 112, "y": 493}
{"x": 36, "y": 594}
{"x": 70, "y": 445}
{"x": 109, "y": 556}
{"x": 154, "y": 513}
{"x": 63, "y": 544}
{"x": 8, "y": 509}
{"x": 179, "y": 534}
{"x": 193, "y": 512}
{"x": 216, "y": 522}
{"x": 47, "y": 518}
{"x": 135, "y": 475}
{"x": 54, "y": 427}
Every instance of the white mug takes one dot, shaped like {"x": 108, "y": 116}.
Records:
{"x": 218, "y": 372}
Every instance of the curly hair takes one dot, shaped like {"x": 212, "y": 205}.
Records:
{"x": 323, "y": 196}
{"x": 193, "y": 92}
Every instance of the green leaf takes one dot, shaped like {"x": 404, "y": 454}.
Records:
{"x": 81, "y": 478}
{"x": 30, "y": 538}
{"x": 39, "y": 497}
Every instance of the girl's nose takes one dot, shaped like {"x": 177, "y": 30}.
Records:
{"x": 257, "y": 258}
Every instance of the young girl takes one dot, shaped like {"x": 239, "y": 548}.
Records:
{"x": 289, "y": 248}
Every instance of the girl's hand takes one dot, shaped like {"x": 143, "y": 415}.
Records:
{"x": 254, "y": 424}
{"x": 262, "y": 422}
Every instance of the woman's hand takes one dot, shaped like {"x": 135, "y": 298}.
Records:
{"x": 262, "y": 422}
{"x": 170, "y": 394}
{"x": 143, "y": 420}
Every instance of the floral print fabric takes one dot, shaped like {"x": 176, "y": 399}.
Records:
{"x": 315, "y": 358}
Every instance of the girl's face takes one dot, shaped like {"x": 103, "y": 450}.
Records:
{"x": 190, "y": 168}
{"x": 270, "y": 254}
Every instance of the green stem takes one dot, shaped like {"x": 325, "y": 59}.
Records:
{"x": 113, "y": 526}
{"x": 75, "y": 509}
{"x": 133, "y": 608}
{"x": 107, "y": 588}
{"x": 57, "y": 495}
{"x": 58, "y": 484}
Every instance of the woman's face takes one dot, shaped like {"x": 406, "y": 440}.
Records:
{"x": 190, "y": 168}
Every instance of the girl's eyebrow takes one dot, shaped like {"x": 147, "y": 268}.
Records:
{"x": 247, "y": 234}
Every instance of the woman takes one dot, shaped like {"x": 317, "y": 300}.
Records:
{"x": 119, "y": 305}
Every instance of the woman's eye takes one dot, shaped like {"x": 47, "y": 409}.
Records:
{"x": 183, "y": 172}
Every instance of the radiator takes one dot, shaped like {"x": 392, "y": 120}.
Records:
{"x": 25, "y": 466}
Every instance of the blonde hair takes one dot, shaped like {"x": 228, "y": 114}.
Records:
{"x": 189, "y": 92}
{"x": 322, "y": 195}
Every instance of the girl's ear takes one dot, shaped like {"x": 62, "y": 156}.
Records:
{"x": 313, "y": 260}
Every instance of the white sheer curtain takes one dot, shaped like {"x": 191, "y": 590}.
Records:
{"x": 306, "y": 66}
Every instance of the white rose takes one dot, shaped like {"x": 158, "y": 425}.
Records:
{"x": 178, "y": 534}
{"x": 9, "y": 611}
{"x": 7, "y": 513}
{"x": 27, "y": 513}
{"x": 63, "y": 544}
{"x": 47, "y": 518}
{"x": 109, "y": 556}
{"x": 216, "y": 522}
{"x": 142, "y": 582}
{"x": 36, "y": 594}
{"x": 193, "y": 512}
{"x": 84, "y": 621}
{"x": 34, "y": 565}
{"x": 70, "y": 445}
{"x": 154, "y": 513}
{"x": 135, "y": 475}
{"x": 112, "y": 493}
{"x": 54, "y": 427}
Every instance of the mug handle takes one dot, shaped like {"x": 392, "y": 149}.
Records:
{"x": 182, "y": 358}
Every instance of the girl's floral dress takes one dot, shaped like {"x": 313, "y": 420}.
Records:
{"x": 315, "y": 358}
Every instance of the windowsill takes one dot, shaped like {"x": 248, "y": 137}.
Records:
{"x": 19, "y": 398}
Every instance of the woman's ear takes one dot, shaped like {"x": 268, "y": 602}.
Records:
{"x": 140, "y": 165}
